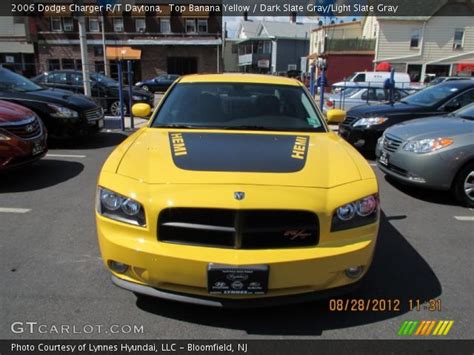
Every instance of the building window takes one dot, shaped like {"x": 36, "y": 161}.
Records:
{"x": 99, "y": 67}
{"x": 94, "y": 25}
{"x": 78, "y": 64}
{"x": 267, "y": 47}
{"x": 68, "y": 63}
{"x": 118, "y": 24}
{"x": 56, "y": 24}
{"x": 165, "y": 26}
{"x": 415, "y": 38}
{"x": 190, "y": 26}
{"x": 98, "y": 51}
{"x": 68, "y": 24}
{"x": 202, "y": 26}
{"x": 458, "y": 38}
{"x": 140, "y": 24}
{"x": 53, "y": 64}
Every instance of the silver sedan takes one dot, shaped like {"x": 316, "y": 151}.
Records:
{"x": 436, "y": 152}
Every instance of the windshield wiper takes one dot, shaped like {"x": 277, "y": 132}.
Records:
{"x": 248, "y": 127}
{"x": 177, "y": 125}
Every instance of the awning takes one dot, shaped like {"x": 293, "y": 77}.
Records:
{"x": 383, "y": 66}
{"x": 123, "y": 53}
{"x": 465, "y": 67}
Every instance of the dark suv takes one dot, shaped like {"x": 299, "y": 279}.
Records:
{"x": 105, "y": 90}
{"x": 64, "y": 113}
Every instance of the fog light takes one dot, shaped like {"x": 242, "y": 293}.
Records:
{"x": 118, "y": 267}
{"x": 354, "y": 272}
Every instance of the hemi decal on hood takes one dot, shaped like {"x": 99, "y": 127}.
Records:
{"x": 239, "y": 152}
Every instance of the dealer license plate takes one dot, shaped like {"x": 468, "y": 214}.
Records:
{"x": 233, "y": 280}
{"x": 384, "y": 158}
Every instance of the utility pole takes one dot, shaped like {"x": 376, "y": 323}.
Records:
{"x": 84, "y": 55}
{"x": 104, "y": 48}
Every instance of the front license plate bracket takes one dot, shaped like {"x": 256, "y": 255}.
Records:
{"x": 237, "y": 280}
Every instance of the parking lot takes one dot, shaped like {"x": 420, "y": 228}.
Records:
{"x": 53, "y": 275}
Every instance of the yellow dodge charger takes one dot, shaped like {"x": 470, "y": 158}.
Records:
{"x": 236, "y": 194}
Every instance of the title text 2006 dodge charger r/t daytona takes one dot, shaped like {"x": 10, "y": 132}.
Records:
{"x": 236, "y": 193}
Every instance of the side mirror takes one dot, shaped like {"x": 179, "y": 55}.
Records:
{"x": 335, "y": 116}
{"x": 141, "y": 110}
{"x": 452, "y": 106}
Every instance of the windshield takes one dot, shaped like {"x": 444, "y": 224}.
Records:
{"x": 465, "y": 112}
{"x": 10, "y": 81}
{"x": 431, "y": 96}
{"x": 102, "y": 79}
{"x": 238, "y": 106}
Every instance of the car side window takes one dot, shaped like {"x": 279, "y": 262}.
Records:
{"x": 76, "y": 80}
{"x": 462, "y": 100}
{"x": 58, "y": 78}
{"x": 359, "y": 78}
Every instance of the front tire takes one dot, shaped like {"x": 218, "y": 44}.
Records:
{"x": 464, "y": 185}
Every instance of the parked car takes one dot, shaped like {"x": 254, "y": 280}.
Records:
{"x": 159, "y": 84}
{"x": 105, "y": 90}
{"x": 442, "y": 79}
{"x": 435, "y": 152}
{"x": 64, "y": 113}
{"x": 199, "y": 186}
{"x": 364, "y": 125}
{"x": 352, "y": 97}
{"x": 22, "y": 136}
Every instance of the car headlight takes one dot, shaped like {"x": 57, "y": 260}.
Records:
{"x": 4, "y": 137}
{"x": 62, "y": 112}
{"x": 356, "y": 214}
{"x": 138, "y": 98}
{"x": 370, "y": 121}
{"x": 427, "y": 145}
{"x": 120, "y": 208}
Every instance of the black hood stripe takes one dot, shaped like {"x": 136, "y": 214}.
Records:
{"x": 236, "y": 152}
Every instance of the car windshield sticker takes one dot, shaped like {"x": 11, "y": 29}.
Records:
{"x": 239, "y": 152}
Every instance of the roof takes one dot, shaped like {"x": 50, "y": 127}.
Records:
{"x": 239, "y": 78}
{"x": 285, "y": 29}
{"x": 332, "y": 25}
{"x": 250, "y": 27}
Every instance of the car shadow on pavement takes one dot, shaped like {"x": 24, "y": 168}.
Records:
{"x": 398, "y": 272}
{"x": 96, "y": 141}
{"x": 42, "y": 174}
{"x": 424, "y": 194}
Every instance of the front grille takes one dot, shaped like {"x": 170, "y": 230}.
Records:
{"x": 349, "y": 120}
{"x": 29, "y": 128}
{"x": 239, "y": 229}
{"x": 94, "y": 114}
{"x": 391, "y": 143}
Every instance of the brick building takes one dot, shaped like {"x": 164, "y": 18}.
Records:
{"x": 175, "y": 43}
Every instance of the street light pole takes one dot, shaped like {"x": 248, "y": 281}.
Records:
{"x": 104, "y": 48}
{"x": 84, "y": 55}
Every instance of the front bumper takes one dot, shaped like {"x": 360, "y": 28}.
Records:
{"x": 364, "y": 139}
{"x": 17, "y": 152}
{"x": 428, "y": 170}
{"x": 160, "y": 268}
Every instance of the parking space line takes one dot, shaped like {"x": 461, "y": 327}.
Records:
{"x": 14, "y": 210}
{"x": 65, "y": 156}
{"x": 465, "y": 218}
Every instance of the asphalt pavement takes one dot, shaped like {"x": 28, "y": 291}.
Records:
{"x": 52, "y": 274}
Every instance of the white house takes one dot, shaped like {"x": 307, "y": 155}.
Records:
{"x": 423, "y": 45}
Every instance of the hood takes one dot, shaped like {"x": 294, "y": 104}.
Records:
{"x": 386, "y": 109}
{"x": 61, "y": 97}
{"x": 161, "y": 156}
{"x": 432, "y": 127}
{"x": 10, "y": 112}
